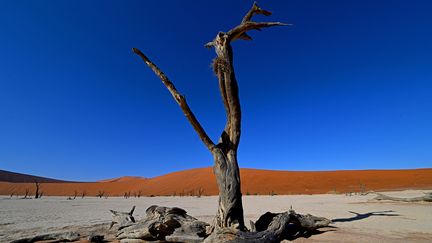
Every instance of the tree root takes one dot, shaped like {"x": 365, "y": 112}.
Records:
{"x": 175, "y": 225}
{"x": 163, "y": 223}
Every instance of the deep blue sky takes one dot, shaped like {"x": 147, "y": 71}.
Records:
{"x": 347, "y": 87}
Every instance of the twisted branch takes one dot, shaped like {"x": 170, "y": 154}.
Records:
{"x": 180, "y": 99}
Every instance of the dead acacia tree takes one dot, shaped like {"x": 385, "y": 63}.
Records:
{"x": 26, "y": 193}
{"x": 226, "y": 169}
{"x": 100, "y": 194}
{"x": 37, "y": 185}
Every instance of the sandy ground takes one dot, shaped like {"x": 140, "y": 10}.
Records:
{"x": 376, "y": 221}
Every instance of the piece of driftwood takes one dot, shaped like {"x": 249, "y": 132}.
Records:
{"x": 61, "y": 237}
{"x": 161, "y": 222}
{"x": 426, "y": 198}
{"x": 122, "y": 219}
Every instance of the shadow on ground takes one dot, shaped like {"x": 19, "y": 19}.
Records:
{"x": 360, "y": 216}
{"x": 306, "y": 234}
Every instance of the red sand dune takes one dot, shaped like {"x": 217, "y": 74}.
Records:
{"x": 262, "y": 182}
{"x": 18, "y": 177}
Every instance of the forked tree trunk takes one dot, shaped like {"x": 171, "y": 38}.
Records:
{"x": 230, "y": 210}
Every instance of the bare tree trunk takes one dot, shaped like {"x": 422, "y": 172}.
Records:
{"x": 26, "y": 193}
{"x": 37, "y": 184}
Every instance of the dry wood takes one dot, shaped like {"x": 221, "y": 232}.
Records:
{"x": 180, "y": 99}
{"x": 272, "y": 227}
{"x": 230, "y": 212}
{"x": 122, "y": 219}
{"x": 229, "y": 216}
{"x": 37, "y": 194}
{"x": 60, "y": 237}
{"x": 426, "y": 198}
{"x": 163, "y": 223}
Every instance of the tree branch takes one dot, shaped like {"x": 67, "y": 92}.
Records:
{"x": 180, "y": 99}
{"x": 253, "y": 11}
{"x": 239, "y": 32}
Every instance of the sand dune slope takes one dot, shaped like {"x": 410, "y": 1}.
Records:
{"x": 261, "y": 182}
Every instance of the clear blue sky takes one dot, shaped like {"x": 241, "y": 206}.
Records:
{"x": 347, "y": 87}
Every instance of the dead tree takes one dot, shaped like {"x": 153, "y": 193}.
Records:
{"x": 83, "y": 194}
{"x": 37, "y": 185}
{"x": 26, "y": 193}
{"x": 100, "y": 194}
{"x": 200, "y": 192}
{"x": 425, "y": 198}
{"x": 224, "y": 152}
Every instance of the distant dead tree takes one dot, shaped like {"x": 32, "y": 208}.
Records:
{"x": 75, "y": 194}
{"x": 12, "y": 194}
{"x": 139, "y": 193}
{"x": 127, "y": 194}
{"x": 200, "y": 192}
{"x": 37, "y": 185}
{"x": 226, "y": 169}
{"x": 27, "y": 191}
{"x": 362, "y": 189}
{"x": 83, "y": 194}
{"x": 100, "y": 194}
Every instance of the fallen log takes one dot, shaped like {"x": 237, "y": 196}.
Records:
{"x": 61, "y": 237}
{"x": 426, "y": 198}
{"x": 163, "y": 223}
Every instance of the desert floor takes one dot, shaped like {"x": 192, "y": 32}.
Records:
{"x": 374, "y": 221}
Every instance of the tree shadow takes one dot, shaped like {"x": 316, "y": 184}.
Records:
{"x": 302, "y": 233}
{"x": 360, "y": 216}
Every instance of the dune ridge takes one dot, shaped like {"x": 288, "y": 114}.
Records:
{"x": 254, "y": 182}
{"x": 9, "y": 176}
